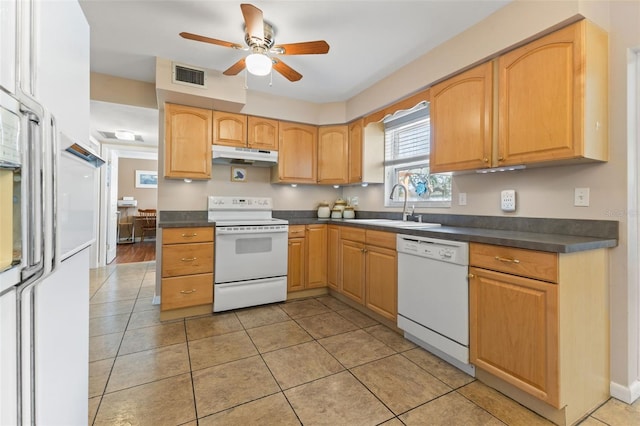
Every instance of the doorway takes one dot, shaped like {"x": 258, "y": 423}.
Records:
{"x": 115, "y": 186}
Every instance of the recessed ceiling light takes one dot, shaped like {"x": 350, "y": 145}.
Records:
{"x": 125, "y": 135}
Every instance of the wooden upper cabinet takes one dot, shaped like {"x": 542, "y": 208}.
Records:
{"x": 553, "y": 98}
{"x": 229, "y": 129}
{"x": 187, "y": 142}
{"x": 333, "y": 154}
{"x": 262, "y": 133}
{"x": 356, "y": 140}
{"x": 297, "y": 154}
{"x": 461, "y": 121}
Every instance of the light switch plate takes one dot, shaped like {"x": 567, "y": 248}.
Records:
{"x": 462, "y": 199}
{"x": 508, "y": 200}
{"x": 581, "y": 197}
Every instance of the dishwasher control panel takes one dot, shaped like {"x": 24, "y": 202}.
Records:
{"x": 448, "y": 251}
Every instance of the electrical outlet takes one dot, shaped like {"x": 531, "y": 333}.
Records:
{"x": 354, "y": 201}
{"x": 581, "y": 197}
{"x": 462, "y": 199}
{"x": 508, "y": 200}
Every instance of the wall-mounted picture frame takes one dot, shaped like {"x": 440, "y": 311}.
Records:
{"x": 146, "y": 179}
{"x": 238, "y": 174}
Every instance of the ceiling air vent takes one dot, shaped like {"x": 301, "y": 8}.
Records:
{"x": 189, "y": 76}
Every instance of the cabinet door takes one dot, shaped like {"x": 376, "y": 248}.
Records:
{"x": 355, "y": 151}
{"x": 461, "y": 121}
{"x": 352, "y": 267}
{"x": 297, "y": 153}
{"x": 262, "y": 133}
{"x": 514, "y": 331}
{"x": 316, "y": 256}
{"x": 296, "y": 265}
{"x": 540, "y": 99}
{"x": 381, "y": 288}
{"x": 333, "y": 154}
{"x": 187, "y": 142}
{"x": 229, "y": 129}
{"x": 333, "y": 257}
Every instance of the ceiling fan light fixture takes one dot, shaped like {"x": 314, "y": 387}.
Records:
{"x": 258, "y": 64}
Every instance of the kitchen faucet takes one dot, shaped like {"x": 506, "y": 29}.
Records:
{"x": 404, "y": 206}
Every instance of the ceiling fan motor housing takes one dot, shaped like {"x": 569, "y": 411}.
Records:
{"x": 266, "y": 43}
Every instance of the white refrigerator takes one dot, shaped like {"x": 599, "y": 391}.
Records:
{"x": 47, "y": 212}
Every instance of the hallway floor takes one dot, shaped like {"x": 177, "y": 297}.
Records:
{"x": 313, "y": 361}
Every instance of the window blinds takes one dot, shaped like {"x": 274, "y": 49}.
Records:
{"x": 407, "y": 138}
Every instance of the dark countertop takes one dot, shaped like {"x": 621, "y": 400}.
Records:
{"x": 528, "y": 233}
{"x": 555, "y": 243}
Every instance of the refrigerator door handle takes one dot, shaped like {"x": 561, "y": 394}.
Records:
{"x": 35, "y": 206}
{"x": 53, "y": 190}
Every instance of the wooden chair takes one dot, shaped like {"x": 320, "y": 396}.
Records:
{"x": 147, "y": 220}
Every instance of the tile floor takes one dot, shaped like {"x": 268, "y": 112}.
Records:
{"x": 314, "y": 361}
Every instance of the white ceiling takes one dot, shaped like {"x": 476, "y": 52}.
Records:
{"x": 368, "y": 40}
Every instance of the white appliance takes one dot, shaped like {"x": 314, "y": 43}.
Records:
{"x": 433, "y": 296}
{"x": 44, "y": 291}
{"x": 251, "y": 252}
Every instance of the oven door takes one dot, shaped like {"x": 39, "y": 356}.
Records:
{"x": 246, "y": 255}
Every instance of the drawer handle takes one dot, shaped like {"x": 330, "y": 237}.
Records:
{"x": 188, "y": 259}
{"x": 505, "y": 260}
{"x": 190, "y": 235}
{"x": 188, "y": 291}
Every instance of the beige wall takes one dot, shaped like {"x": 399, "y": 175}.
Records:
{"x": 147, "y": 197}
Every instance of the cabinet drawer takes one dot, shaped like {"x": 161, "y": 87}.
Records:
{"x": 187, "y": 235}
{"x": 381, "y": 239}
{"x": 525, "y": 263}
{"x": 187, "y": 259}
{"x": 296, "y": 231}
{"x": 183, "y": 292}
{"x": 352, "y": 234}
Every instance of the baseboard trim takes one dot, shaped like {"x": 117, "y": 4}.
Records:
{"x": 627, "y": 394}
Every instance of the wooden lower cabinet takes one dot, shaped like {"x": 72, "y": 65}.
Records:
{"x": 187, "y": 268}
{"x": 539, "y": 327}
{"x": 381, "y": 289}
{"x": 296, "y": 271}
{"x": 307, "y": 258}
{"x": 353, "y": 270}
{"x": 333, "y": 256}
{"x": 515, "y": 331}
{"x": 368, "y": 270}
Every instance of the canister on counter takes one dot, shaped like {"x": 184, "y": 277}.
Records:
{"x": 324, "y": 212}
{"x": 336, "y": 213}
{"x": 349, "y": 213}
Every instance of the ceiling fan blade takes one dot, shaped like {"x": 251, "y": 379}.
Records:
{"x": 197, "y": 37}
{"x": 305, "y": 48}
{"x": 235, "y": 68}
{"x": 253, "y": 21}
{"x": 286, "y": 71}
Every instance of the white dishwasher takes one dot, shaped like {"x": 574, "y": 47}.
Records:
{"x": 433, "y": 296}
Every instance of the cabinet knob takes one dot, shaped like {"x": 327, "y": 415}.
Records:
{"x": 188, "y": 291}
{"x": 470, "y": 276}
{"x": 500, "y": 158}
{"x": 485, "y": 159}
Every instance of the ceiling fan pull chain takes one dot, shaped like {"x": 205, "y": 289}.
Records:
{"x": 271, "y": 78}
{"x": 246, "y": 85}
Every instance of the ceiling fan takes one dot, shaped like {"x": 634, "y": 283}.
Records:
{"x": 259, "y": 37}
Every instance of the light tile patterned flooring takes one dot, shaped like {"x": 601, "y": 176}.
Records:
{"x": 314, "y": 361}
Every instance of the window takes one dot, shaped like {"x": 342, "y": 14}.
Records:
{"x": 406, "y": 160}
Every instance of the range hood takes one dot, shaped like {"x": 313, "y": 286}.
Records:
{"x": 244, "y": 156}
